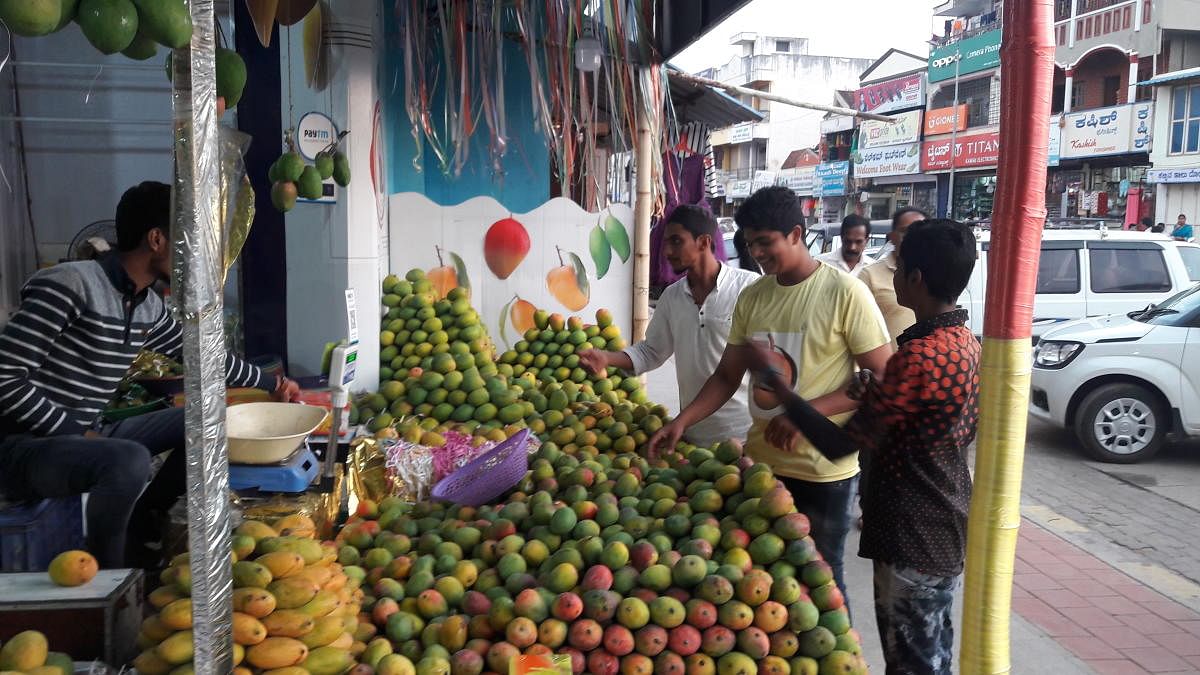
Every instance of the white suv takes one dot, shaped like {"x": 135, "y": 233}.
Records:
{"x": 1123, "y": 381}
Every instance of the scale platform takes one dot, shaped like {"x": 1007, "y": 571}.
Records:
{"x": 294, "y": 474}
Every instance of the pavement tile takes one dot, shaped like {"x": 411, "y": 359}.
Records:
{"x": 1058, "y": 626}
{"x": 1062, "y": 571}
{"x": 1192, "y": 627}
{"x": 1110, "y": 576}
{"x": 1089, "y": 617}
{"x": 1117, "y": 604}
{"x": 1137, "y": 592}
{"x": 1061, "y": 597}
{"x": 1115, "y": 667}
{"x": 1033, "y": 606}
{"x": 1037, "y": 555}
{"x": 1156, "y": 660}
{"x": 1089, "y": 647}
{"x": 1182, "y": 644}
{"x": 1195, "y": 661}
{"x": 1088, "y": 588}
{"x": 1120, "y": 637}
{"x": 1084, "y": 561}
{"x": 1035, "y": 581}
{"x": 1149, "y": 624}
{"x": 1171, "y": 611}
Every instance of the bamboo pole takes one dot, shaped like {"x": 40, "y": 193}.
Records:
{"x": 768, "y": 96}
{"x": 1027, "y": 72}
{"x": 643, "y": 208}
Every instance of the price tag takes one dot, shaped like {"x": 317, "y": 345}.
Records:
{"x": 351, "y": 317}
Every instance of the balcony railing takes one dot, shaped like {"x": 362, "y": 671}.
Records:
{"x": 987, "y": 22}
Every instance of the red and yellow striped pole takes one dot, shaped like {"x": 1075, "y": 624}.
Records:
{"x": 1027, "y": 74}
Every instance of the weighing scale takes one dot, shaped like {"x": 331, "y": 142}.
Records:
{"x": 293, "y": 474}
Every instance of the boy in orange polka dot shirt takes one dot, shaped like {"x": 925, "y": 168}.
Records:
{"x": 915, "y": 425}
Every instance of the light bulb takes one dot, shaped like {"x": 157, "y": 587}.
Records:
{"x": 589, "y": 54}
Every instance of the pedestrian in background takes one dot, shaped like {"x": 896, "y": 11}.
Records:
{"x": 1182, "y": 231}
{"x": 850, "y": 258}
{"x": 915, "y": 424}
{"x": 878, "y": 277}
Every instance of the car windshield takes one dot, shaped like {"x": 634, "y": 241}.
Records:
{"x": 1173, "y": 311}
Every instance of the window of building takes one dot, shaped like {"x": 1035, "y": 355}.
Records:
{"x": 1077, "y": 93}
{"x": 783, "y": 46}
{"x": 1128, "y": 270}
{"x": 1111, "y": 91}
{"x": 1058, "y": 272}
{"x": 1185, "y": 119}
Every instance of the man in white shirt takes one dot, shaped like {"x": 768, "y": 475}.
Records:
{"x": 850, "y": 257}
{"x": 691, "y": 321}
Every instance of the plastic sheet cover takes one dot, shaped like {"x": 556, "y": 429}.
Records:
{"x": 198, "y": 271}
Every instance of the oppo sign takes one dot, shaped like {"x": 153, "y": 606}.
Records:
{"x": 976, "y": 53}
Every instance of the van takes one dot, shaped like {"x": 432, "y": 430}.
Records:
{"x": 1088, "y": 273}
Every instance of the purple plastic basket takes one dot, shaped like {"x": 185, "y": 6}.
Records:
{"x": 488, "y": 476}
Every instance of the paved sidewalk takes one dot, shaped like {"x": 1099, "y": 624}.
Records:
{"x": 1111, "y": 621}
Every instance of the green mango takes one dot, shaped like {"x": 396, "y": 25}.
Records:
{"x": 309, "y": 185}
{"x": 167, "y": 22}
{"x": 291, "y": 165}
{"x": 34, "y": 18}
{"x": 283, "y": 195}
{"x": 141, "y": 49}
{"x": 324, "y": 164}
{"x": 618, "y": 237}
{"x": 341, "y": 169}
{"x": 110, "y": 25}
{"x": 231, "y": 76}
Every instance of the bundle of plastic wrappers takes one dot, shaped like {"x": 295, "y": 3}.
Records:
{"x": 416, "y": 468}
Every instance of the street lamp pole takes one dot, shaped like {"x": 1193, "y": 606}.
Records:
{"x": 953, "y": 139}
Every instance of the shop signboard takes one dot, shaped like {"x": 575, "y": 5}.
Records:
{"x": 741, "y": 133}
{"x": 1181, "y": 175}
{"x": 893, "y": 160}
{"x": 739, "y": 189}
{"x": 1114, "y": 130}
{"x": 762, "y": 179}
{"x": 830, "y": 179}
{"x": 971, "y": 151}
{"x": 945, "y": 120}
{"x": 906, "y": 129}
{"x": 898, "y": 94}
{"x": 836, "y": 124}
{"x": 801, "y": 182}
{"x": 976, "y": 53}
{"x": 1055, "y": 140}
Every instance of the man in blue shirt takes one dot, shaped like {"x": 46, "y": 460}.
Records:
{"x": 1182, "y": 231}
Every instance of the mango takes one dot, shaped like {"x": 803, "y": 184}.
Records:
{"x": 290, "y": 623}
{"x": 293, "y": 593}
{"x": 73, "y": 568}
{"x": 247, "y": 630}
{"x": 276, "y": 652}
{"x": 154, "y": 629}
{"x": 150, "y": 663}
{"x": 321, "y": 604}
{"x": 328, "y": 661}
{"x": 163, "y": 596}
{"x": 256, "y": 530}
{"x": 325, "y": 630}
{"x": 167, "y": 22}
{"x": 248, "y": 574}
{"x": 309, "y": 549}
{"x": 177, "y": 615}
{"x": 25, "y": 651}
{"x": 282, "y": 564}
{"x": 177, "y": 649}
{"x": 257, "y": 602}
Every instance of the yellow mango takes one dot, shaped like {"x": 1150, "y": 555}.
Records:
{"x": 293, "y": 593}
{"x": 288, "y": 623}
{"x": 257, "y": 602}
{"x": 308, "y": 548}
{"x": 296, "y": 525}
{"x": 247, "y": 630}
{"x": 163, "y": 596}
{"x": 344, "y": 641}
{"x": 277, "y": 652}
{"x": 318, "y": 575}
{"x": 325, "y": 630}
{"x": 177, "y": 649}
{"x": 323, "y": 603}
{"x": 177, "y": 615}
{"x": 155, "y": 629}
{"x": 256, "y": 529}
{"x": 328, "y": 661}
{"x": 150, "y": 663}
{"x": 282, "y": 564}
{"x": 247, "y": 574}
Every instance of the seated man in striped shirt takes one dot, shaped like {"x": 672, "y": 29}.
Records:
{"x": 62, "y": 355}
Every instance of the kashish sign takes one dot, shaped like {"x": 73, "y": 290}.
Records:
{"x": 974, "y": 151}
{"x": 1107, "y": 131}
{"x": 898, "y": 94}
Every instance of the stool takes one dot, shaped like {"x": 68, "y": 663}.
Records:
{"x": 32, "y": 533}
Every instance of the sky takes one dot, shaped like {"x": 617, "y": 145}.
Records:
{"x": 855, "y": 28}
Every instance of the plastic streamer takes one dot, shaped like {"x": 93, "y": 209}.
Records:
{"x": 198, "y": 271}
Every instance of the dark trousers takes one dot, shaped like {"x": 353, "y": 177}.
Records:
{"x": 830, "y": 509}
{"x": 112, "y": 469}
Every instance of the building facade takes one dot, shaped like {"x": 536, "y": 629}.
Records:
{"x": 752, "y": 155}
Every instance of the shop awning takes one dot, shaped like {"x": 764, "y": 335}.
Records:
{"x": 715, "y": 108}
{"x": 1185, "y": 74}
{"x": 681, "y": 22}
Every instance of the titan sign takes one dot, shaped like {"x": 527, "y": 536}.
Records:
{"x": 973, "y": 54}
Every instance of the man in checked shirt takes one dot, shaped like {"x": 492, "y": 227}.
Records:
{"x": 915, "y": 425}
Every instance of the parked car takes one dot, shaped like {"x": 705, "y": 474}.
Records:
{"x": 1122, "y": 382}
{"x": 826, "y": 237}
{"x": 1086, "y": 273}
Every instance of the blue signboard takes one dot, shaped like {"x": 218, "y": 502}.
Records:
{"x": 830, "y": 179}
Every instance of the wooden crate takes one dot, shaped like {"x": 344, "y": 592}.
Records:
{"x": 97, "y": 621}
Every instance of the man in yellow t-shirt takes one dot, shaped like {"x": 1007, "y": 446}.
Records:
{"x": 878, "y": 275}
{"x": 820, "y": 323}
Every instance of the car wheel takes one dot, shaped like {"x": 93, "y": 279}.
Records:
{"x": 1121, "y": 423}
